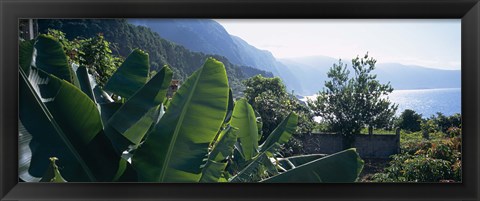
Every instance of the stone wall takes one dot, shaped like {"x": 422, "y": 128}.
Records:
{"x": 368, "y": 146}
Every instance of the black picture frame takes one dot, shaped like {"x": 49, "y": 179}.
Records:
{"x": 466, "y": 10}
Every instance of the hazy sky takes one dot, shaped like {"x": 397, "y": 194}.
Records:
{"x": 432, "y": 43}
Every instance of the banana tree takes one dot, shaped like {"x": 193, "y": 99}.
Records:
{"x": 202, "y": 136}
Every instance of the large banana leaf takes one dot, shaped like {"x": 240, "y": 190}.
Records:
{"x": 136, "y": 116}
{"x": 244, "y": 119}
{"x": 26, "y": 54}
{"x": 231, "y": 105}
{"x": 130, "y": 76}
{"x": 89, "y": 86}
{"x": 294, "y": 161}
{"x": 176, "y": 149}
{"x": 282, "y": 133}
{"x": 160, "y": 111}
{"x": 222, "y": 149}
{"x": 85, "y": 82}
{"x": 225, "y": 144}
{"x": 51, "y": 58}
{"x": 63, "y": 122}
{"x": 40, "y": 137}
{"x": 108, "y": 109}
{"x": 25, "y": 154}
{"x": 212, "y": 171}
{"x": 344, "y": 166}
{"x": 248, "y": 173}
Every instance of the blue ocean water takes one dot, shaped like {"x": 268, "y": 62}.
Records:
{"x": 425, "y": 101}
{"x": 428, "y": 101}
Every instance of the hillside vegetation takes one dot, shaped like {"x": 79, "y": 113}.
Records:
{"x": 125, "y": 37}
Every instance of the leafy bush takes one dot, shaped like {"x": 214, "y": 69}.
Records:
{"x": 429, "y": 126}
{"x": 409, "y": 120}
{"x": 444, "y": 123}
{"x": 93, "y": 53}
{"x": 425, "y": 169}
{"x": 454, "y": 131}
{"x": 421, "y": 160}
{"x": 416, "y": 168}
{"x": 268, "y": 96}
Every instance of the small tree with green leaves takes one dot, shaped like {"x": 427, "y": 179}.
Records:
{"x": 93, "y": 53}
{"x": 410, "y": 120}
{"x": 269, "y": 97}
{"x": 349, "y": 104}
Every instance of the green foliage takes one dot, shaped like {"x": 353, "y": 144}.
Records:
{"x": 268, "y": 96}
{"x": 134, "y": 118}
{"x": 435, "y": 160}
{"x": 221, "y": 152}
{"x": 409, "y": 120}
{"x": 282, "y": 133}
{"x": 294, "y": 161}
{"x": 418, "y": 168}
{"x": 130, "y": 76}
{"x": 343, "y": 166}
{"x": 454, "y": 132}
{"x": 349, "y": 104}
{"x": 444, "y": 122}
{"x": 96, "y": 55}
{"x": 62, "y": 121}
{"x": 243, "y": 117}
{"x": 93, "y": 53}
{"x": 429, "y": 126}
{"x": 51, "y": 58}
{"x": 25, "y": 54}
{"x": 191, "y": 140}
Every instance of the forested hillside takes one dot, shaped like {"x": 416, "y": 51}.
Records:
{"x": 209, "y": 36}
{"x": 126, "y": 37}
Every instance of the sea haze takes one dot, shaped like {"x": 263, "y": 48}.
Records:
{"x": 425, "y": 101}
{"x": 428, "y": 101}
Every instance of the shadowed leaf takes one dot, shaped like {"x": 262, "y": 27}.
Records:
{"x": 130, "y": 76}
{"x": 344, "y": 166}
{"x": 134, "y": 118}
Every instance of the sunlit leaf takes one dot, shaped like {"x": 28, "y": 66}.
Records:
{"x": 176, "y": 149}
{"x": 262, "y": 159}
{"x": 222, "y": 149}
{"x": 244, "y": 119}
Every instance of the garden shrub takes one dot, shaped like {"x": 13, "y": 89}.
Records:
{"x": 409, "y": 120}
{"x": 421, "y": 160}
